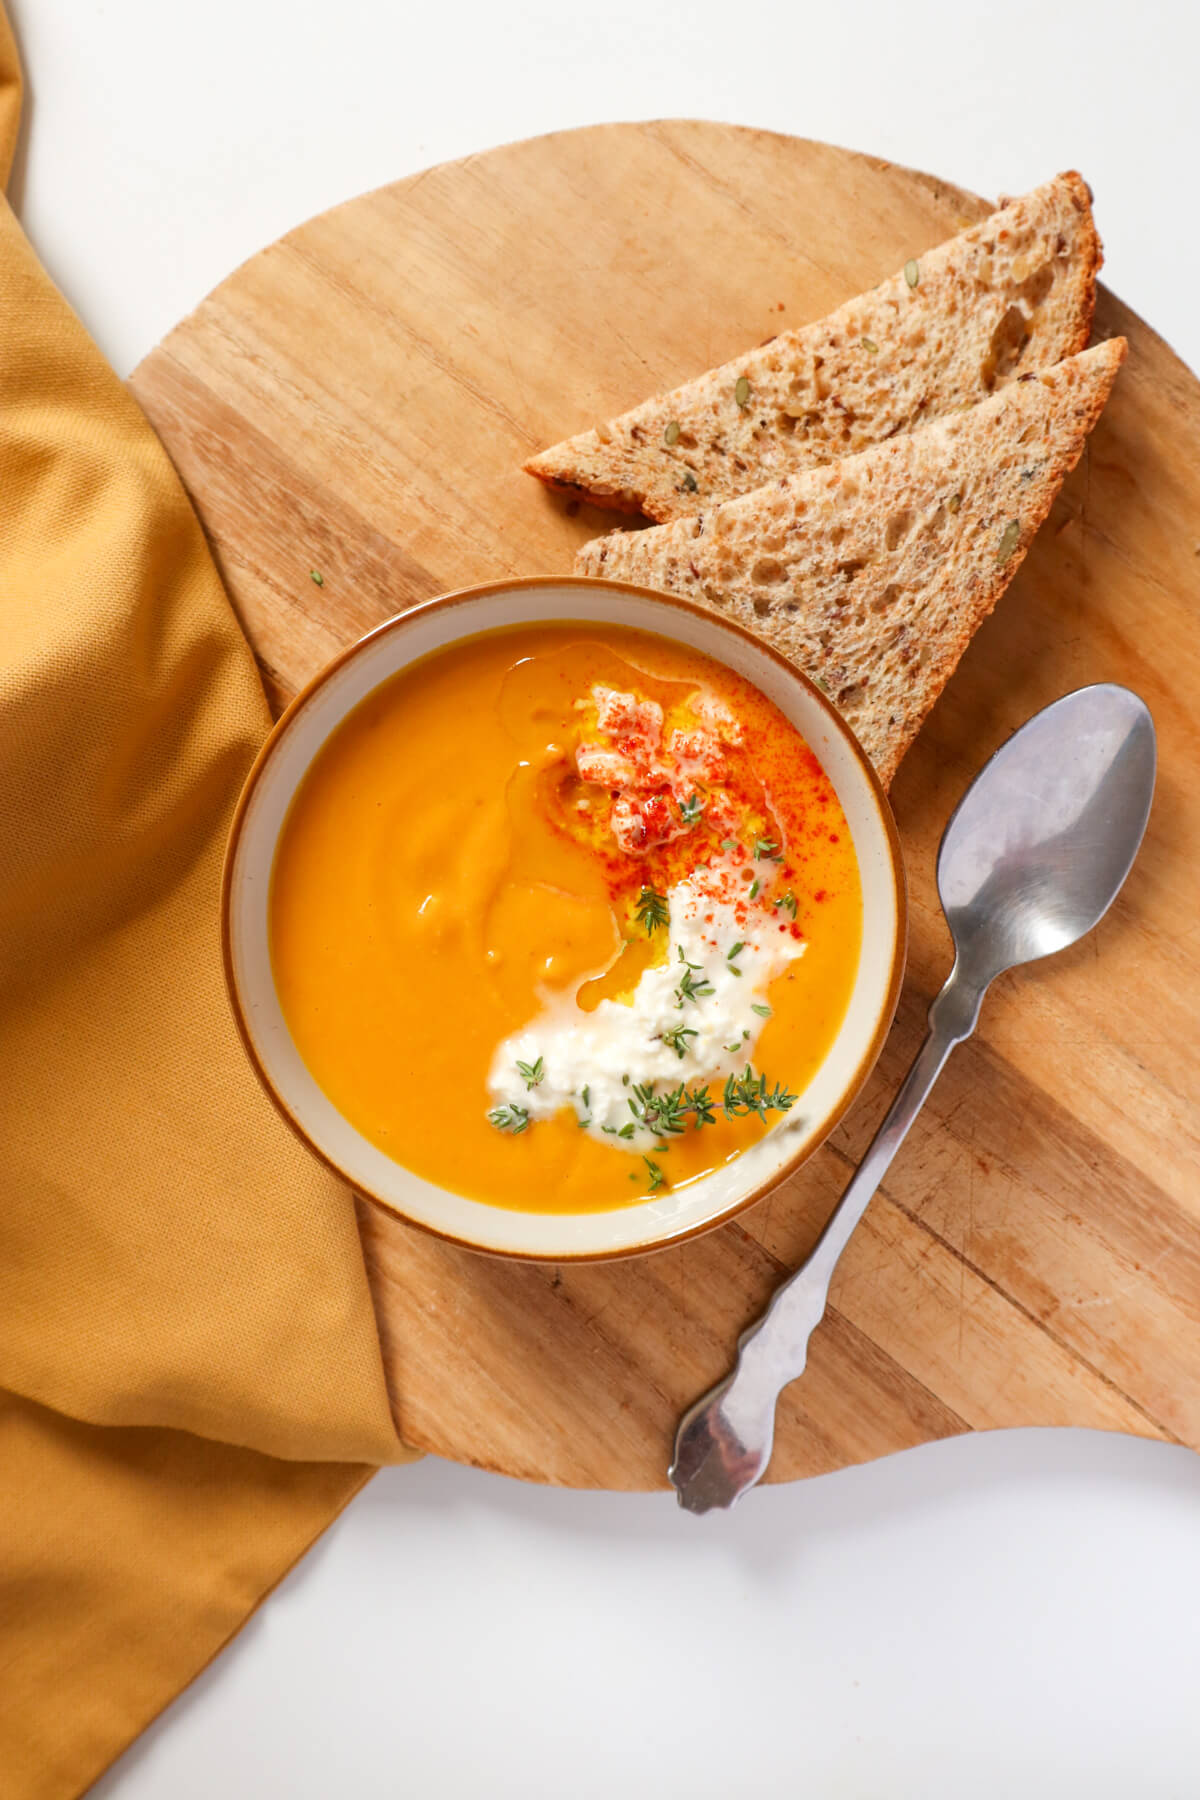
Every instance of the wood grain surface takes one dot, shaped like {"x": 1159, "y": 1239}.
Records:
{"x": 357, "y": 400}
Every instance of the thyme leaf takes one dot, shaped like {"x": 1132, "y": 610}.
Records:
{"x": 676, "y": 1039}
{"x": 513, "y": 1119}
{"x": 691, "y": 989}
{"x": 652, "y": 910}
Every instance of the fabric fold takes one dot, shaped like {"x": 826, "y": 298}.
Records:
{"x": 192, "y": 1378}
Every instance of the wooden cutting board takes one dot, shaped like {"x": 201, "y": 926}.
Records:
{"x": 357, "y": 400}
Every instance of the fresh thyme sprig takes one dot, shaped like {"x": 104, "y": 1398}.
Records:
{"x": 729, "y": 959}
{"x": 676, "y": 1039}
{"x": 513, "y": 1119}
{"x": 690, "y": 810}
{"x": 788, "y": 903}
{"x": 691, "y": 989}
{"x": 657, "y": 1178}
{"x": 532, "y": 1073}
{"x": 667, "y": 1114}
{"x": 749, "y": 1093}
{"x": 653, "y": 910}
{"x": 767, "y": 850}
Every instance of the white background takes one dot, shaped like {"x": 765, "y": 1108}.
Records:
{"x": 1016, "y": 1614}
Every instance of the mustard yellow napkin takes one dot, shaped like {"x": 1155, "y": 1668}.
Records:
{"x": 190, "y": 1379}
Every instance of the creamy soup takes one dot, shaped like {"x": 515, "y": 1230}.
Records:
{"x": 563, "y": 916}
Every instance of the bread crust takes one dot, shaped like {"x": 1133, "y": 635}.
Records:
{"x": 1012, "y": 293}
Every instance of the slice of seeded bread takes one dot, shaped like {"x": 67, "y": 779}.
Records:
{"x": 873, "y": 574}
{"x": 1013, "y": 293}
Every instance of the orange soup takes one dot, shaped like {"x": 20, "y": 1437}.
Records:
{"x": 563, "y": 916}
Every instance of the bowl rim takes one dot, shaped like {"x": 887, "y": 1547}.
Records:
{"x": 811, "y": 1141}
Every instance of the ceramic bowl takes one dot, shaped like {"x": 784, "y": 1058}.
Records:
{"x": 555, "y": 1237}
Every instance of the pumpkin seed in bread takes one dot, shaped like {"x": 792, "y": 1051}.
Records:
{"x": 1013, "y": 293}
{"x": 873, "y": 574}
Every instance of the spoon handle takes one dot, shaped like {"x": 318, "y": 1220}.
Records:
{"x": 723, "y": 1443}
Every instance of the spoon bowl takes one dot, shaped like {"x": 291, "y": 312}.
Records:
{"x": 1041, "y": 842}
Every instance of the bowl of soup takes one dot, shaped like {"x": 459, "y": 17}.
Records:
{"x": 562, "y": 919}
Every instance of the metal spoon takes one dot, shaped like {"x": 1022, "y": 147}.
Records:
{"x": 1034, "y": 854}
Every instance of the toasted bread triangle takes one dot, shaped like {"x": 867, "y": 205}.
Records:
{"x": 1012, "y": 294}
{"x": 873, "y": 574}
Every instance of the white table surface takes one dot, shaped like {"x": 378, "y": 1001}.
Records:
{"x": 1001, "y": 1615}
